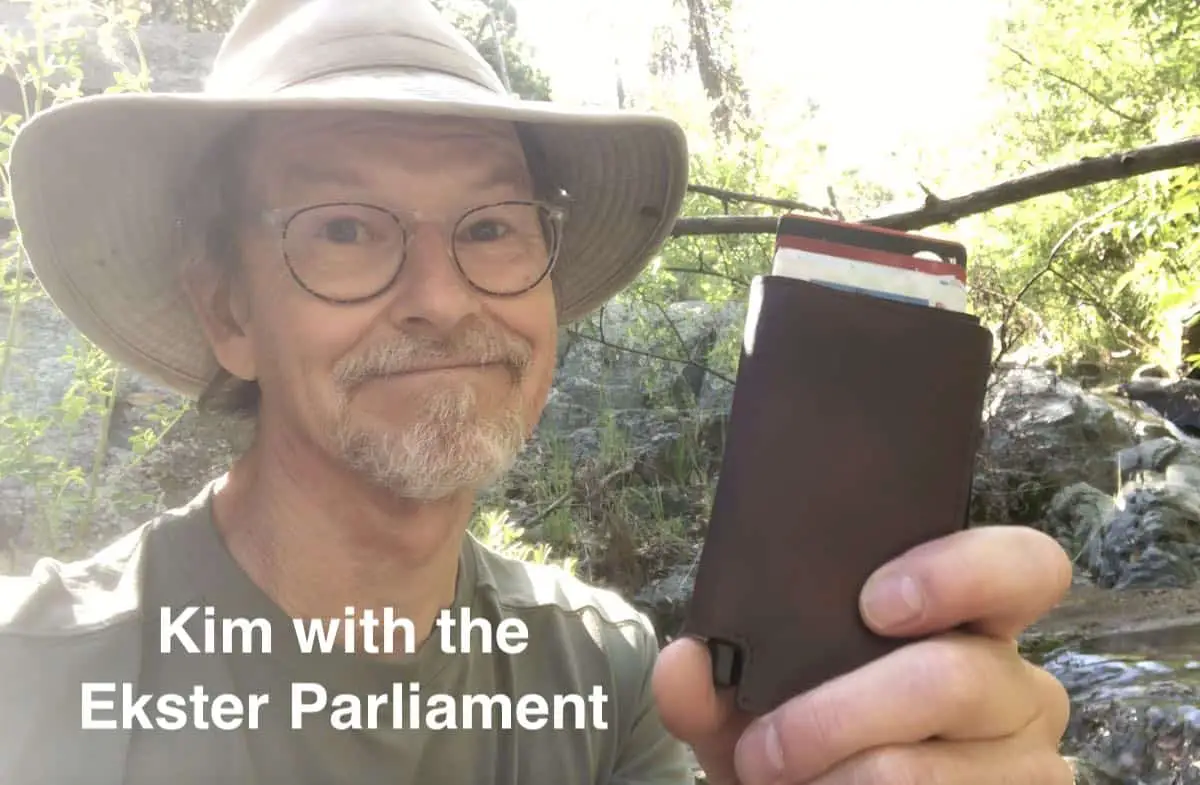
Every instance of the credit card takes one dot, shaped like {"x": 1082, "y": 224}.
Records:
{"x": 870, "y": 270}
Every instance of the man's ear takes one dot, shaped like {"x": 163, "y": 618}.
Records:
{"x": 221, "y": 302}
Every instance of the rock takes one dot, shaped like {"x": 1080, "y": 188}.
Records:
{"x": 1043, "y": 434}
{"x": 179, "y": 58}
{"x": 665, "y": 601}
{"x": 1177, "y": 401}
{"x": 1087, "y": 373}
{"x": 1183, "y": 475}
{"x": 106, "y": 54}
{"x": 1151, "y": 371}
{"x": 1078, "y": 514}
{"x": 1088, "y": 773}
{"x": 1150, "y": 456}
{"x": 1071, "y": 463}
{"x": 1132, "y": 720}
{"x": 1152, "y": 540}
{"x": 594, "y": 374}
{"x": 1148, "y": 535}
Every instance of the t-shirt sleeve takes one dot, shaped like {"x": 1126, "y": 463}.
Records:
{"x": 649, "y": 754}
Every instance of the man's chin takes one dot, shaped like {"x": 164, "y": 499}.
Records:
{"x": 432, "y": 460}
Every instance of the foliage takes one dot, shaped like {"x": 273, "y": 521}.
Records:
{"x": 709, "y": 51}
{"x": 494, "y": 530}
{"x": 491, "y": 26}
{"x": 1084, "y": 78}
{"x": 210, "y": 15}
{"x": 56, "y": 482}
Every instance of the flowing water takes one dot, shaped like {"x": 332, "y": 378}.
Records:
{"x": 1135, "y": 700}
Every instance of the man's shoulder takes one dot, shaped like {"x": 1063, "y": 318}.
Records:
{"x": 548, "y": 594}
{"x": 60, "y": 598}
{"x": 70, "y": 598}
{"x": 70, "y": 621}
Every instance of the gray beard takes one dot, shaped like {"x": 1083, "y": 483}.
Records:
{"x": 448, "y": 449}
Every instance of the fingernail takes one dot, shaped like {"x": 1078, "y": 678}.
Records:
{"x": 891, "y": 600}
{"x": 759, "y": 755}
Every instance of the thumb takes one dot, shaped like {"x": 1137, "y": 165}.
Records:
{"x": 693, "y": 711}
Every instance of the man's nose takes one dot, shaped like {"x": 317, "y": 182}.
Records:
{"x": 430, "y": 288}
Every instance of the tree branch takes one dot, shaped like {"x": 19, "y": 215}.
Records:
{"x": 1077, "y": 86}
{"x": 834, "y": 210}
{"x": 1082, "y": 173}
{"x": 734, "y": 196}
{"x": 704, "y": 271}
{"x": 650, "y": 355}
{"x": 1048, "y": 267}
{"x": 683, "y": 347}
{"x": 725, "y": 224}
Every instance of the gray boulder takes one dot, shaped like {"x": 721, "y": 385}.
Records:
{"x": 1148, "y": 534}
{"x": 1044, "y": 433}
{"x": 675, "y": 350}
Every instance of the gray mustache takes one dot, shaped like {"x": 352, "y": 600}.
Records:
{"x": 416, "y": 352}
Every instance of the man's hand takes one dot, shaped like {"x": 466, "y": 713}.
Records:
{"x": 961, "y": 707}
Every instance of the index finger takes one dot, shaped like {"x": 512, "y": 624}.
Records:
{"x": 994, "y": 580}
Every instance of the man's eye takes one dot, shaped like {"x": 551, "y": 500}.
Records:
{"x": 486, "y": 231}
{"x": 344, "y": 230}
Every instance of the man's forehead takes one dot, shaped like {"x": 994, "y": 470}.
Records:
{"x": 286, "y": 147}
{"x": 322, "y": 127}
{"x": 299, "y": 149}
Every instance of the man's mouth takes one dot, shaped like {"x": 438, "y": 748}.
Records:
{"x": 437, "y": 367}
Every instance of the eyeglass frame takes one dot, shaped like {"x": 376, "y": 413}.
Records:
{"x": 280, "y": 218}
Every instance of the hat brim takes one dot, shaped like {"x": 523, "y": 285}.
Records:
{"x": 94, "y": 184}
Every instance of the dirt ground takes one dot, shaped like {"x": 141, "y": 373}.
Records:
{"x": 1091, "y": 612}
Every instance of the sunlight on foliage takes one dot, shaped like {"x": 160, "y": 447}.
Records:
{"x": 41, "y": 448}
{"x": 494, "y": 530}
{"x": 1079, "y": 84}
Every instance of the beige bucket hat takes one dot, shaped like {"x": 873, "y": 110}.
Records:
{"x": 94, "y": 181}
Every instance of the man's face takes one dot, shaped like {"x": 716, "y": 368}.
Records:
{"x": 432, "y": 386}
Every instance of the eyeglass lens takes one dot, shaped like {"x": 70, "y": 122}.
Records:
{"x": 352, "y": 251}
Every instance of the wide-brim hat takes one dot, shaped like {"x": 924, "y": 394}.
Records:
{"x": 95, "y": 181}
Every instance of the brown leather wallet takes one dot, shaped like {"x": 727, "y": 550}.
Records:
{"x": 851, "y": 439}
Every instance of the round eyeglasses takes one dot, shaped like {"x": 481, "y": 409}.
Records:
{"x": 347, "y": 252}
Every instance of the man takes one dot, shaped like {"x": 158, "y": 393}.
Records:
{"x": 354, "y": 236}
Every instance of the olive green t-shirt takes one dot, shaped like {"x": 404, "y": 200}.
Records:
{"x": 581, "y": 642}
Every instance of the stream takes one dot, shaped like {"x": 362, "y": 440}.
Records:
{"x": 1135, "y": 705}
